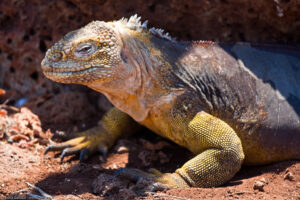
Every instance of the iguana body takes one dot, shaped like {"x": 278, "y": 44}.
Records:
{"x": 229, "y": 105}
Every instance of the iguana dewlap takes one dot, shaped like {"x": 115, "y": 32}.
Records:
{"x": 228, "y": 104}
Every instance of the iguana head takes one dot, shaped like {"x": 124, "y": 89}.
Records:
{"x": 84, "y": 55}
{"x": 96, "y": 52}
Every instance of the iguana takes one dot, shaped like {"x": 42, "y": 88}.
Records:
{"x": 229, "y": 104}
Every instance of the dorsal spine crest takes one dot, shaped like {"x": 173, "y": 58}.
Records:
{"x": 134, "y": 23}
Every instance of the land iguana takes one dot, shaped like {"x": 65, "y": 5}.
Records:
{"x": 229, "y": 104}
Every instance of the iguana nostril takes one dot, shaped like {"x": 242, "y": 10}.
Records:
{"x": 55, "y": 56}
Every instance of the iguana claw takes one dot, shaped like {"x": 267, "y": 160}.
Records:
{"x": 103, "y": 150}
{"x": 67, "y": 152}
{"x": 84, "y": 154}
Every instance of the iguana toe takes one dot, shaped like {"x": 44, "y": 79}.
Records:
{"x": 103, "y": 150}
{"x": 55, "y": 147}
{"x": 61, "y": 146}
{"x": 84, "y": 154}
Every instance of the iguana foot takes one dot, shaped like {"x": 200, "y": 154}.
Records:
{"x": 112, "y": 126}
{"x": 87, "y": 142}
{"x": 160, "y": 181}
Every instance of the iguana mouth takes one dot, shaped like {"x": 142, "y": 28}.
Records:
{"x": 79, "y": 76}
{"x": 56, "y": 72}
{"x": 61, "y": 74}
{"x": 69, "y": 68}
{"x": 69, "y": 72}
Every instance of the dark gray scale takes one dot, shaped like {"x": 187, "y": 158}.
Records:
{"x": 276, "y": 70}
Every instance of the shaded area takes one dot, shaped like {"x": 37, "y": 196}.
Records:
{"x": 145, "y": 151}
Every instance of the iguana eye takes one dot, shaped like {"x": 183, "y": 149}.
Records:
{"x": 85, "y": 50}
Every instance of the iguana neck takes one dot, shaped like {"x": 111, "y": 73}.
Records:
{"x": 133, "y": 92}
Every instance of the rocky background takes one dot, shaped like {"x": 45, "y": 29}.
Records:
{"x": 29, "y": 27}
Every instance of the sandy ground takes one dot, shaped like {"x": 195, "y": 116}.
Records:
{"x": 94, "y": 179}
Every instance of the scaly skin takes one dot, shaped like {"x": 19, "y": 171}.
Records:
{"x": 224, "y": 107}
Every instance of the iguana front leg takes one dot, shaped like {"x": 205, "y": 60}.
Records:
{"x": 113, "y": 125}
{"x": 219, "y": 156}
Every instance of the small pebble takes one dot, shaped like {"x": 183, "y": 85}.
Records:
{"x": 263, "y": 180}
{"x": 98, "y": 167}
{"x": 289, "y": 176}
{"x": 259, "y": 185}
{"x": 67, "y": 180}
{"x": 122, "y": 149}
{"x": 163, "y": 158}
